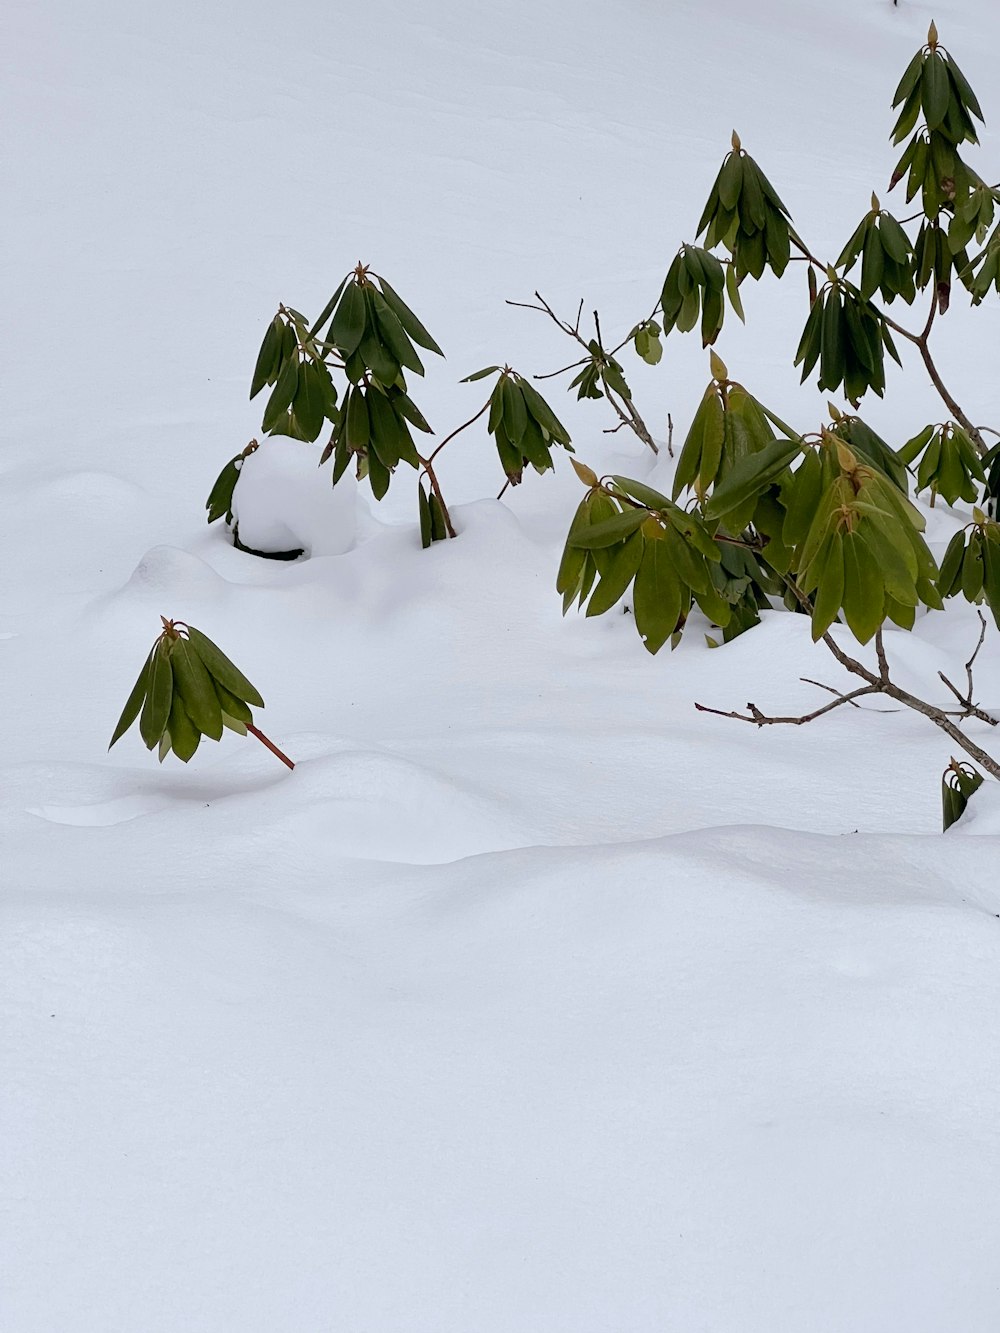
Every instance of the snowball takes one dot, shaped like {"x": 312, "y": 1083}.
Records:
{"x": 284, "y": 501}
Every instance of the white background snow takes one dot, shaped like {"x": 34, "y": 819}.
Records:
{"x": 533, "y": 1000}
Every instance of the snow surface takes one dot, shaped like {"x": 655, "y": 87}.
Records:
{"x": 532, "y": 999}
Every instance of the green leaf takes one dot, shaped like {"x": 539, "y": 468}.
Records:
{"x": 542, "y": 413}
{"x": 910, "y": 79}
{"x": 184, "y": 735}
{"x": 935, "y": 90}
{"x": 515, "y": 413}
{"x": 733, "y": 292}
{"x": 407, "y": 318}
{"x": 377, "y": 357}
{"x": 193, "y": 682}
{"x": 425, "y": 516}
{"x": 282, "y": 395}
{"x": 347, "y": 327}
{"x": 378, "y": 474}
{"x": 135, "y": 700}
{"x": 268, "y": 358}
{"x": 384, "y": 435}
{"x": 915, "y": 446}
{"x": 220, "y": 497}
{"x": 156, "y": 708}
{"x": 618, "y": 573}
{"x": 480, "y": 375}
{"x": 329, "y": 308}
{"x": 496, "y": 407}
{"x": 610, "y": 531}
{"x": 394, "y": 335}
{"x": 829, "y": 592}
{"x": 439, "y": 530}
{"x": 357, "y": 420}
{"x": 864, "y": 591}
{"x": 312, "y": 400}
{"x": 222, "y": 669}
{"x": 949, "y": 580}
{"x": 232, "y": 706}
{"x": 637, "y": 490}
{"x": 750, "y": 476}
{"x": 731, "y": 180}
{"x": 964, "y": 88}
{"x": 656, "y": 597}
{"x": 405, "y": 406}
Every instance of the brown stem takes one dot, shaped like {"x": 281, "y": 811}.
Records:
{"x": 633, "y": 420}
{"x": 882, "y": 684}
{"x": 629, "y": 415}
{"x": 457, "y": 431}
{"x": 760, "y": 719}
{"x": 270, "y": 744}
{"x": 953, "y": 407}
{"x": 436, "y": 485}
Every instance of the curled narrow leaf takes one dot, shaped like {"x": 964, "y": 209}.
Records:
{"x": 134, "y": 703}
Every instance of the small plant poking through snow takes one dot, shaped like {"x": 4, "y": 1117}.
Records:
{"x": 367, "y": 334}
{"x": 188, "y": 688}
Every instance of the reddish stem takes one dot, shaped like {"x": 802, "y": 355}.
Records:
{"x": 270, "y": 745}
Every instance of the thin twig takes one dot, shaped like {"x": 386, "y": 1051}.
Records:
{"x": 840, "y": 695}
{"x": 970, "y": 709}
{"x": 760, "y": 719}
{"x": 270, "y": 744}
{"x": 625, "y": 409}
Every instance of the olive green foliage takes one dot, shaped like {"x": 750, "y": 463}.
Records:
{"x": 821, "y": 520}
{"x": 368, "y": 337}
{"x": 187, "y": 689}
{"x": 958, "y": 784}
{"x": 523, "y": 426}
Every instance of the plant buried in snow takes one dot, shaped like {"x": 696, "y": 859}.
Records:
{"x": 187, "y": 689}
{"x": 370, "y": 336}
{"x": 958, "y": 784}
{"x": 830, "y": 521}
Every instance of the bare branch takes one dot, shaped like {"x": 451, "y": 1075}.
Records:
{"x": 760, "y": 719}
{"x": 840, "y": 695}
{"x": 969, "y": 708}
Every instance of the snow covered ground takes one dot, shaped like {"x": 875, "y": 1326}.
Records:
{"x": 532, "y": 999}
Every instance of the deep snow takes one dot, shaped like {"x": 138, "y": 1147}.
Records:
{"x": 532, "y": 999}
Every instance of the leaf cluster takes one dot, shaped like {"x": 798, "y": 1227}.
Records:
{"x": 187, "y": 689}
{"x": 826, "y": 519}
{"x": 601, "y": 374}
{"x": 369, "y": 333}
{"x": 935, "y": 88}
{"x": 858, "y": 545}
{"x": 847, "y": 337}
{"x": 694, "y": 286}
{"x": 745, "y": 214}
{"x": 886, "y": 255}
{"x": 625, "y": 532}
{"x": 646, "y": 340}
{"x": 949, "y": 466}
{"x": 971, "y": 564}
{"x": 958, "y": 784}
{"x": 523, "y": 425}
{"x": 729, "y": 427}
